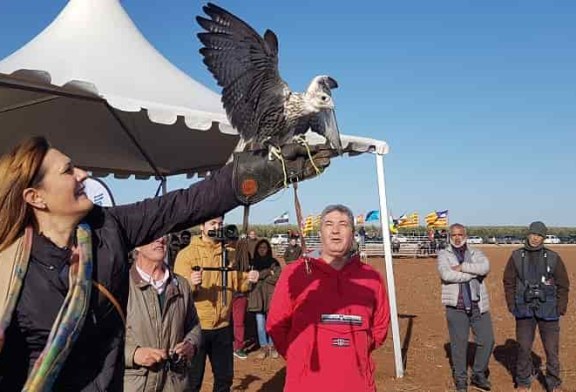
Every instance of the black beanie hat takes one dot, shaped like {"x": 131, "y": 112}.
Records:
{"x": 538, "y": 228}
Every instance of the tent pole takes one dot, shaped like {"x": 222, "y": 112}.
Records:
{"x": 388, "y": 262}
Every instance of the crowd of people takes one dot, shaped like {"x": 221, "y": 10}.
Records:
{"x": 106, "y": 299}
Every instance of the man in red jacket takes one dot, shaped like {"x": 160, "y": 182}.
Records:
{"x": 327, "y": 315}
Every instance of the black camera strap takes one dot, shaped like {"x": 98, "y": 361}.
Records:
{"x": 524, "y": 266}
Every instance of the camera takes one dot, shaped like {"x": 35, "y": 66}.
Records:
{"x": 174, "y": 362}
{"x": 225, "y": 233}
{"x": 174, "y": 358}
{"x": 534, "y": 293}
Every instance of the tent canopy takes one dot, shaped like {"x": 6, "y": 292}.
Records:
{"x": 101, "y": 138}
{"x": 144, "y": 116}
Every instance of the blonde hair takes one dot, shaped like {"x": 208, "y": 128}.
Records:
{"x": 19, "y": 169}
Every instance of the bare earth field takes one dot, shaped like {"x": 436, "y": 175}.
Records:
{"x": 424, "y": 335}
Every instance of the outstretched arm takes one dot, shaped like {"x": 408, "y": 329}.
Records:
{"x": 249, "y": 179}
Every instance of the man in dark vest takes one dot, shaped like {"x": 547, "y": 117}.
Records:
{"x": 536, "y": 286}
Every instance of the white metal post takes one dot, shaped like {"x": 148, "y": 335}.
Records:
{"x": 389, "y": 268}
{"x": 164, "y": 186}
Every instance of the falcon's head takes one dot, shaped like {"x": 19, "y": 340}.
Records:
{"x": 319, "y": 94}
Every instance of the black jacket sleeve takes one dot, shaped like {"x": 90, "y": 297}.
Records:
{"x": 562, "y": 285}
{"x": 147, "y": 220}
{"x": 509, "y": 281}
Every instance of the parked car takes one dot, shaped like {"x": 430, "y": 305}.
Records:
{"x": 551, "y": 239}
{"x": 474, "y": 239}
{"x": 279, "y": 239}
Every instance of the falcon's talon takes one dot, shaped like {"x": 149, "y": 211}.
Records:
{"x": 300, "y": 139}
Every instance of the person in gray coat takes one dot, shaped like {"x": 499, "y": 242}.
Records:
{"x": 462, "y": 271}
{"x": 162, "y": 327}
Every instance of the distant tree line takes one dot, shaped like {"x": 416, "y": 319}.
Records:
{"x": 482, "y": 231}
{"x": 373, "y": 230}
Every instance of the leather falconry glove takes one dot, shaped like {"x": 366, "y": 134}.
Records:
{"x": 257, "y": 174}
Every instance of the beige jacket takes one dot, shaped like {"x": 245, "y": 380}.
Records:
{"x": 474, "y": 269}
{"x": 149, "y": 326}
{"x": 212, "y": 312}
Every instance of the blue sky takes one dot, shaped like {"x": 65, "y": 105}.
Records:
{"x": 477, "y": 99}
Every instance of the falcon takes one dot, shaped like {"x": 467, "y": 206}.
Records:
{"x": 259, "y": 104}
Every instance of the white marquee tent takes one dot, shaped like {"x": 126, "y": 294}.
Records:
{"x": 100, "y": 92}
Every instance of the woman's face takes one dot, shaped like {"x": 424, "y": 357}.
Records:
{"x": 263, "y": 249}
{"x": 61, "y": 191}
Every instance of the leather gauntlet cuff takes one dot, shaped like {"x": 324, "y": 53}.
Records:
{"x": 256, "y": 175}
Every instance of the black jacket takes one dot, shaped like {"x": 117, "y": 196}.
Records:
{"x": 96, "y": 361}
{"x": 513, "y": 282}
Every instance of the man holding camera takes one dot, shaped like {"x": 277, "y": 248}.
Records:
{"x": 162, "y": 329}
{"x": 462, "y": 270}
{"x": 536, "y": 286}
{"x": 199, "y": 263}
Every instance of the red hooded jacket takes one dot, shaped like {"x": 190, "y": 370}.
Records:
{"x": 326, "y": 323}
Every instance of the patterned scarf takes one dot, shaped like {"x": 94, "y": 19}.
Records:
{"x": 71, "y": 316}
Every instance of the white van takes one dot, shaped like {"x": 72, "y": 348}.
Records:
{"x": 551, "y": 239}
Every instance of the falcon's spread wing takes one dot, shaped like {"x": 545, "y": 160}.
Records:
{"x": 246, "y": 67}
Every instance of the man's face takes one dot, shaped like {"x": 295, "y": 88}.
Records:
{"x": 185, "y": 239}
{"x": 252, "y": 235}
{"x": 212, "y": 224}
{"x": 293, "y": 241}
{"x": 535, "y": 240}
{"x": 458, "y": 235}
{"x": 154, "y": 251}
{"x": 337, "y": 234}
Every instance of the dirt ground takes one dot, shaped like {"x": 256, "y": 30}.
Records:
{"x": 424, "y": 335}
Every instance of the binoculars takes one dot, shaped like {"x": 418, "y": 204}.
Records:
{"x": 534, "y": 293}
